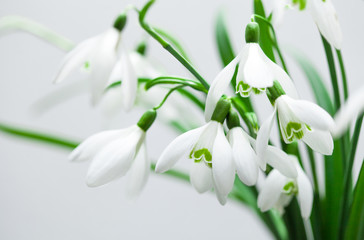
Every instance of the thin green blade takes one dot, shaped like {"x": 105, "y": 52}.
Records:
{"x": 224, "y": 45}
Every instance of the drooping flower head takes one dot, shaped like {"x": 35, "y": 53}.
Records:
{"x": 298, "y": 120}
{"x": 102, "y": 58}
{"x": 255, "y": 73}
{"x": 277, "y": 191}
{"x": 210, "y": 152}
{"x": 323, "y": 13}
{"x": 115, "y": 152}
{"x": 245, "y": 158}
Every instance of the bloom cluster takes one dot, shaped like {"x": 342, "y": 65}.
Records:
{"x": 221, "y": 148}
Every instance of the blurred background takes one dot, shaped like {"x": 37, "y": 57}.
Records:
{"x": 43, "y": 196}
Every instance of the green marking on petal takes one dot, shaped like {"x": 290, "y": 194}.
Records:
{"x": 202, "y": 155}
{"x": 290, "y": 188}
{"x": 244, "y": 89}
{"x": 86, "y": 65}
{"x": 294, "y": 130}
{"x": 258, "y": 90}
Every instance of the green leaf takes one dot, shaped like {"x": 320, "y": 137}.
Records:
{"x": 38, "y": 136}
{"x": 172, "y": 40}
{"x": 223, "y": 41}
{"x": 265, "y": 36}
{"x": 11, "y": 23}
{"x": 317, "y": 85}
{"x": 355, "y": 227}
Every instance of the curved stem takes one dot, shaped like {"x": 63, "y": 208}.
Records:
{"x": 167, "y": 46}
{"x": 343, "y": 74}
{"x": 166, "y": 96}
{"x": 347, "y": 179}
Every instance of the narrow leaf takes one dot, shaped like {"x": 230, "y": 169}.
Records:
{"x": 265, "y": 36}
{"x": 355, "y": 227}
{"x": 11, "y": 23}
{"x": 223, "y": 41}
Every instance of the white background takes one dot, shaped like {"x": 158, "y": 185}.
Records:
{"x": 43, "y": 196}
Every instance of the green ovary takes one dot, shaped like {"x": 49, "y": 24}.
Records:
{"x": 202, "y": 155}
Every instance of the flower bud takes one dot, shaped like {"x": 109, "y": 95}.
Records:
{"x": 252, "y": 33}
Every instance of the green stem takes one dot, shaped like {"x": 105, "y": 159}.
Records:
{"x": 331, "y": 63}
{"x": 343, "y": 74}
{"x": 167, "y": 46}
{"x": 345, "y": 202}
{"x": 166, "y": 96}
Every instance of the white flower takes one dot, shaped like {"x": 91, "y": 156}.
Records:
{"x": 255, "y": 73}
{"x": 325, "y": 17}
{"x": 244, "y": 156}
{"x": 352, "y": 108}
{"x": 278, "y": 190}
{"x": 322, "y": 12}
{"x": 103, "y": 59}
{"x": 247, "y": 162}
{"x": 210, "y": 151}
{"x": 113, "y": 153}
{"x": 298, "y": 119}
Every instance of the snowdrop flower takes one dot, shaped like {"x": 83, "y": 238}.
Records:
{"x": 255, "y": 73}
{"x": 207, "y": 146}
{"x": 352, "y": 108}
{"x": 322, "y": 12}
{"x": 298, "y": 119}
{"x": 245, "y": 158}
{"x": 277, "y": 191}
{"x": 103, "y": 59}
{"x": 115, "y": 152}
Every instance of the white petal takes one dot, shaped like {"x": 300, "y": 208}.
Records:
{"x": 348, "y": 112}
{"x": 324, "y": 14}
{"x": 271, "y": 190}
{"x": 219, "y": 86}
{"x": 284, "y": 80}
{"x": 223, "y": 168}
{"x": 244, "y": 156}
{"x": 179, "y": 147}
{"x": 76, "y": 58}
{"x": 310, "y": 113}
{"x": 222, "y": 198}
{"x": 256, "y": 72}
{"x": 129, "y": 83}
{"x": 281, "y": 161}
{"x": 138, "y": 173}
{"x": 263, "y": 138}
{"x": 93, "y": 144}
{"x": 305, "y": 193}
{"x": 319, "y": 141}
{"x": 143, "y": 67}
{"x": 102, "y": 62}
{"x": 201, "y": 177}
{"x": 114, "y": 160}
